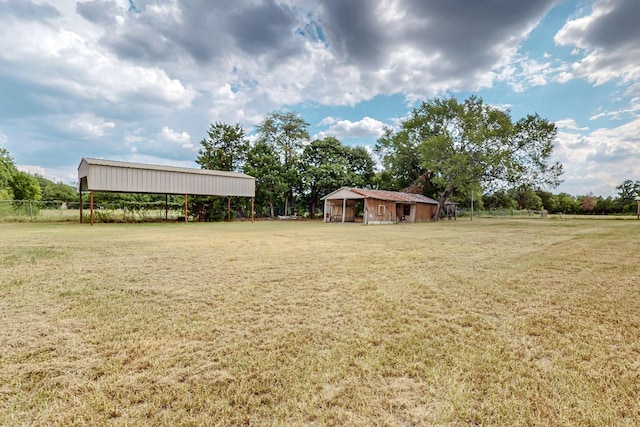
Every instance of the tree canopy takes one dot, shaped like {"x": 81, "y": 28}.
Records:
{"x": 25, "y": 187}
{"x": 224, "y": 147}
{"x": 286, "y": 133}
{"x": 263, "y": 163}
{"x": 7, "y": 170}
{"x": 327, "y": 164}
{"x": 462, "y": 146}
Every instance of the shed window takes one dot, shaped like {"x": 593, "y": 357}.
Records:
{"x": 381, "y": 209}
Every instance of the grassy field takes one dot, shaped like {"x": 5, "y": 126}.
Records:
{"x": 484, "y": 322}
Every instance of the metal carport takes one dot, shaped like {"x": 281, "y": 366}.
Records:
{"x": 125, "y": 177}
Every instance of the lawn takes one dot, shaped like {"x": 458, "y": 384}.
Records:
{"x": 483, "y": 322}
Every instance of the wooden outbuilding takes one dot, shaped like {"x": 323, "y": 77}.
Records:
{"x": 126, "y": 177}
{"x": 379, "y": 206}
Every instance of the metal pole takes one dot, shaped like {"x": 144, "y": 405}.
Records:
{"x": 228, "y": 209}
{"x": 166, "y": 207}
{"x": 91, "y": 205}
{"x": 80, "y": 206}
{"x": 252, "y": 208}
{"x": 186, "y": 209}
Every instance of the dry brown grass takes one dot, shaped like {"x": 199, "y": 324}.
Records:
{"x": 491, "y": 322}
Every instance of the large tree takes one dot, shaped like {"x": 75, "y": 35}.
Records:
{"x": 327, "y": 164}
{"x": 286, "y": 132}
{"x": 52, "y": 191}
{"x": 361, "y": 165}
{"x": 224, "y": 148}
{"x": 401, "y": 159}
{"x": 627, "y": 193}
{"x": 263, "y": 163}
{"x": 7, "y": 170}
{"x": 25, "y": 187}
{"x": 470, "y": 144}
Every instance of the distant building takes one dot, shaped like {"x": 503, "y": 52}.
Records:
{"x": 380, "y": 206}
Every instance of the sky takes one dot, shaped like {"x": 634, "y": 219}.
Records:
{"x": 142, "y": 80}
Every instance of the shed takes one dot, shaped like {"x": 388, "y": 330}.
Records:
{"x": 380, "y": 206}
{"x": 126, "y": 177}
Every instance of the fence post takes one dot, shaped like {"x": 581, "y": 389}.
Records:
{"x": 31, "y": 210}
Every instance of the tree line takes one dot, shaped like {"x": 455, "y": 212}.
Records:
{"x": 16, "y": 185}
{"x": 292, "y": 174}
{"x": 445, "y": 149}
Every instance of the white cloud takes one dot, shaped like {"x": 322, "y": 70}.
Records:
{"x": 525, "y": 72}
{"x": 364, "y": 128}
{"x": 32, "y": 169}
{"x": 90, "y": 126}
{"x": 74, "y": 65}
{"x": 569, "y": 124}
{"x": 633, "y": 110}
{"x": 606, "y": 42}
{"x": 167, "y": 144}
{"x": 133, "y": 139}
{"x": 599, "y": 160}
{"x": 327, "y": 121}
{"x": 168, "y": 134}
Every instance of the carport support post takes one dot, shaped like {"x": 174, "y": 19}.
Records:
{"x": 344, "y": 209}
{"x": 186, "y": 209}
{"x": 91, "y": 205}
{"x": 252, "y": 207}
{"x": 166, "y": 207}
{"x": 638, "y": 200}
{"x": 228, "y": 209}
{"x": 80, "y": 206}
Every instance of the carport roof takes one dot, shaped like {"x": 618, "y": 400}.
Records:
{"x": 130, "y": 165}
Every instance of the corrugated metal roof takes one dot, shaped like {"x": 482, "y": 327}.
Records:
{"x": 394, "y": 196}
{"x": 114, "y": 163}
{"x": 126, "y": 177}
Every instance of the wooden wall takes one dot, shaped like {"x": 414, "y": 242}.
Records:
{"x": 380, "y": 210}
{"x": 424, "y": 212}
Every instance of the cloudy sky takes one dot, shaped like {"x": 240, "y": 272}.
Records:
{"x": 142, "y": 80}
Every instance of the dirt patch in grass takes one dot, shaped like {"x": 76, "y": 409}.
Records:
{"x": 492, "y": 322}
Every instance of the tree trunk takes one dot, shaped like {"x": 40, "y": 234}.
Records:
{"x": 313, "y": 198}
{"x": 441, "y": 201}
{"x": 293, "y": 204}
{"x": 271, "y": 208}
{"x": 312, "y": 208}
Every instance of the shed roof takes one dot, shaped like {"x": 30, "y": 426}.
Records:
{"x": 394, "y": 196}
{"x": 116, "y": 176}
